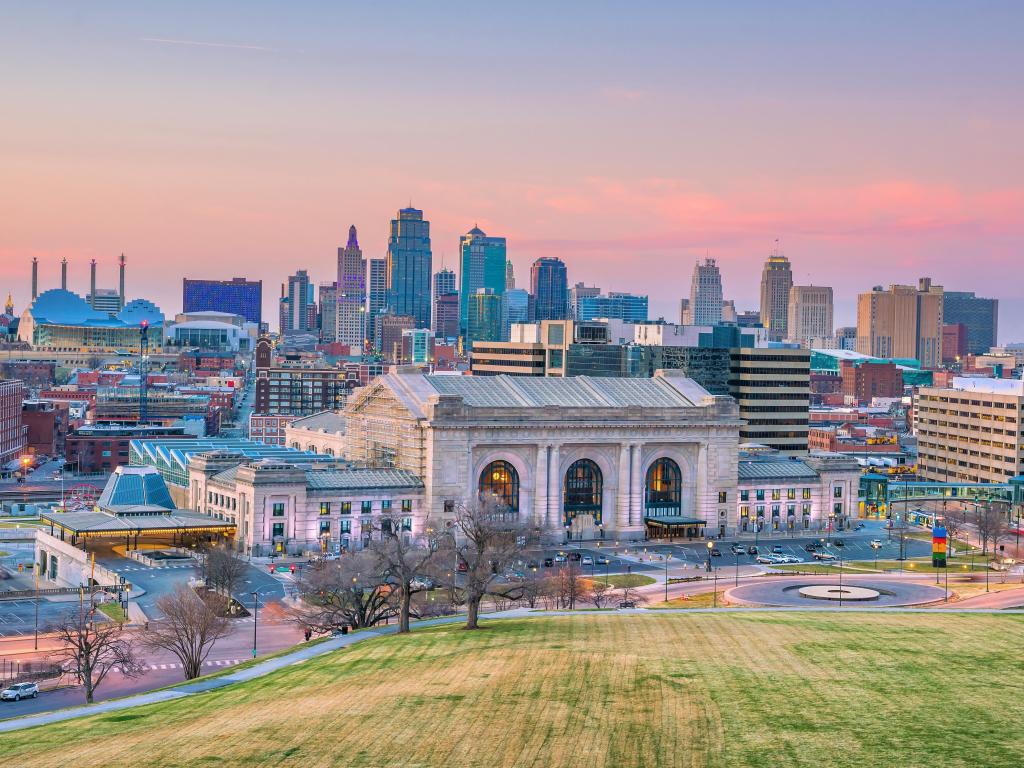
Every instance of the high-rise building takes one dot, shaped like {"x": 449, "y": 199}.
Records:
{"x": 617, "y": 306}
{"x": 485, "y": 316}
{"x": 484, "y": 264}
{"x": 295, "y": 304}
{"x": 13, "y": 432}
{"x": 444, "y": 284}
{"x": 979, "y": 316}
{"x": 706, "y": 293}
{"x": 810, "y": 314}
{"x": 772, "y": 386}
{"x": 515, "y": 308}
{"x": 950, "y": 445}
{"x": 776, "y": 280}
{"x": 549, "y": 285}
{"x": 328, "y": 312}
{"x": 237, "y": 296}
{"x": 576, "y": 294}
{"x": 446, "y": 316}
{"x": 351, "y": 296}
{"x": 410, "y": 266}
{"x": 417, "y": 346}
{"x": 954, "y": 343}
{"x": 902, "y": 322}
{"x": 510, "y": 276}
{"x": 391, "y": 327}
{"x": 376, "y": 297}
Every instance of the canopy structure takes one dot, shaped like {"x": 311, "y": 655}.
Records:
{"x": 674, "y": 526}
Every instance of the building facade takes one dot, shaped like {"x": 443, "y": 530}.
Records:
{"x": 903, "y": 321}
{"x": 772, "y": 386}
{"x": 809, "y": 314}
{"x": 483, "y": 264}
{"x": 979, "y": 316}
{"x": 350, "y": 326}
{"x": 549, "y": 286}
{"x": 410, "y": 266}
{"x": 705, "y": 304}
{"x": 776, "y": 280}
{"x": 576, "y": 294}
{"x": 618, "y": 306}
{"x": 484, "y": 322}
{"x": 13, "y": 432}
{"x": 238, "y": 296}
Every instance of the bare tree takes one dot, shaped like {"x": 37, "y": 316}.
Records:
{"x": 403, "y": 561}
{"x": 599, "y": 593}
{"x": 631, "y": 595}
{"x": 487, "y": 539}
{"x": 570, "y": 586}
{"x": 346, "y": 592}
{"x": 954, "y": 528}
{"x": 189, "y": 628}
{"x": 91, "y": 650}
{"x": 990, "y": 523}
{"x": 223, "y": 569}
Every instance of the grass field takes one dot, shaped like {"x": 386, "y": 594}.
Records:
{"x": 766, "y": 689}
{"x": 626, "y": 580}
{"x": 819, "y": 568}
{"x": 703, "y": 600}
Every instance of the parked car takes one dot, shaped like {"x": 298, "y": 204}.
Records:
{"x": 533, "y": 564}
{"x": 422, "y": 582}
{"x": 548, "y": 562}
{"x": 790, "y": 559}
{"x": 462, "y": 567}
{"x": 601, "y": 560}
{"x": 813, "y": 546}
{"x": 716, "y": 552}
{"x": 560, "y": 558}
{"x": 20, "y": 691}
{"x": 587, "y": 560}
{"x": 838, "y": 543}
{"x": 751, "y": 550}
{"x": 767, "y": 559}
{"x": 824, "y": 556}
{"x": 876, "y": 543}
{"x": 859, "y": 527}
{"x": 777, "y": 548}
{"x": 575, "y": 556}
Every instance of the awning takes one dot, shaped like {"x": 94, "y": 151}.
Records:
{"x": 671, "y": 521}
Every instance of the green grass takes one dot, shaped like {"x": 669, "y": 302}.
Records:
{"x": 114, "y": 612}
{"x": 922, "y": 565}
{"x": 733, "y": 689}
{"x": 703, "y": 600}
{"x": 816, "y": 568}
{"x": 626, "y": 580}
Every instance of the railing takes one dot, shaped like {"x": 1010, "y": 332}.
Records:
{"x": 22, "y": 594}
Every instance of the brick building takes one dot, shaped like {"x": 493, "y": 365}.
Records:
{"x": 13, "y": 434}
{"x": 868, "y": 379}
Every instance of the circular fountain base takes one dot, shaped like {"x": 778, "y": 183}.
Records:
{"x": 835, "y": 592}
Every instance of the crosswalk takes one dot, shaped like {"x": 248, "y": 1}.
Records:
{"x": 127, "y": 568}
{"x": 207, "y": 663}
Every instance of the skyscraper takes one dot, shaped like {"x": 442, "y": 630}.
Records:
{"x": 351, "y": 309}
{"x": 706, "y": 293}
{"x": 446, "y": 316}
{"x": 237, "y": 296}
{"x": 903, "y": 321}
{"x": 979, "y": 316}
{"x": 510, "y": 277}
{"x": 549, "y": 285}
{"x": 576, "y": 294}
{"x": 616, "y": 305}
{"x": 295, "y": 315}
{"x": 776, "y": 280}
{"x": 444, "y": 285}
{"x": 810, "y": 314}
{"x": 328, "y": 312}
{"x": 483, "y": 264}
{"x": 376, "y": 297}
{"x": 485, "y": 316}
{"x": 410, "y": 266}
{"x": 515, "y": 308}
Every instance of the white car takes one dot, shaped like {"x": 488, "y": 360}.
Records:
{"x": 824, "y": 556}
{"x": 587, "y": 560}
{"x": 769, "y": 559}
{"x": 20, "y": 691}
{"x": 876, "y": 543}
{"x": 790, "y": 559}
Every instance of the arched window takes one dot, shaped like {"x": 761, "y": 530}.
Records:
{"x": 664, "y": 490}
{"x": 500, "y": 481}
{"x": 584, "y": 491}
{"x": 328, "y": 451}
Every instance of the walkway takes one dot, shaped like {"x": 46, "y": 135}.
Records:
{"x": 343, "y": 641}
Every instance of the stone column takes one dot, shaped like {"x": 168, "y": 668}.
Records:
{"x": 540, "y": 488}
{"x": 636, "y": 505}
{"x": 555, "y": 521}
{"x": 621, "y": 519}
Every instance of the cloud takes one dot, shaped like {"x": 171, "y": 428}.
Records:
{"x": 203, "y": 44}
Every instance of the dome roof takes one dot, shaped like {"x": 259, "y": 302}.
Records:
{"x": 137, "y": 310}
{"x": 64, "y": 307}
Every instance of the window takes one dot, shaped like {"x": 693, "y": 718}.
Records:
{"x": 744, "y": 495}
{"x": 346, "y": 526}
{"x": 367, "y": 507}
{"x": 790, "y": 510}
{"x": 406, "y": 523}
{"x": 407, "y": 505}
{"x": 663, "y": 493}
{"x": 776, "y": 494}
{"x": 385, "y": 506}
{"x": 775, "y": 510}
{"x": 759, "y": 494}
{"x": 807, "y": 509}
{"x": 722, "y": 497}
{"x": 278, "y": 510}
{"x": 278, "y": 531}
{"x": 346, "y": 507}
{"x": 806, "y": 493}
{"x": 744, "y": 511}
{"x": 837, "y": 492}
{"x": 325, "y": 507}
{"x": 791, "y": 493}
{"x": 837, "y": 509}
{"x": 760, "y": 510}
{"x": 325, "y": 527}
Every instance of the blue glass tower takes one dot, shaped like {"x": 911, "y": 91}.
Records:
{"x": 409, "y": 267}
{"x": 482, "y": 265}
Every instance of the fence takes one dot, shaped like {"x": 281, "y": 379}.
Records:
{"x": 14, "y": 671}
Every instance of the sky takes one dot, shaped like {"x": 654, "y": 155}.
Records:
{"x": 876, "y": 142}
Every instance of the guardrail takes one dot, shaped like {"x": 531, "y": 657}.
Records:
{"x": 22, "y": 594}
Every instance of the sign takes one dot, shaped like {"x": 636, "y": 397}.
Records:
{"x": 939, "y": 546}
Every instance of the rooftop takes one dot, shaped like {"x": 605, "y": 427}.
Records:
{"x": 326, "y": 421}
{"x": 753, "y": 470}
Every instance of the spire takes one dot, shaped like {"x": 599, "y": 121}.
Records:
{"x": 121, "y": 287}
{"x": 9, "y": 306}
{"x": 64, "y": 274}
{"x": 353, "y": 241}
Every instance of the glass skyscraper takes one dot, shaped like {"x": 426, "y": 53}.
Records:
{"x": 483, "y": 264}
{"x": 409, "y": 267}
{"x": 619, "y": 306}
{"x": 549, "y": 285}
{"x": 979, "y": 316}
{"x": 237, "y": 296}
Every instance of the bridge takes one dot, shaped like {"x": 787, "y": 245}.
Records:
{"x": 879, "y": 492}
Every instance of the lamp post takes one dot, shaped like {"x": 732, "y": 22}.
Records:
{"x": 711, "y": 544}
{"x": 667, "y": 556}
{"x": 255, "y": 612}
{"x": 35, "y": 569}
{"x": 840, "y": 578}
{"x": 714, "y": 592}
{"x": 736, "y": 553}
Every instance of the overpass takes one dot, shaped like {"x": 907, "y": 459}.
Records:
{"x": 879, "y": 492}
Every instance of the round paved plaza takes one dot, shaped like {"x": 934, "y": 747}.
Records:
{"x": 824, "y": 591}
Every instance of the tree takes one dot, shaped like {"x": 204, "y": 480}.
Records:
{"x": 402, "y": 562}
{"x": 347, "y": 592}
{"x": 631, "y": 595}
{"x": 223, "y": 569}
{"x": 954, "y": 528}
{"x": 990, "y": 523}
{"x": 90, "y": 650}
{"x": 189, "y": 628}
{"x": 570, "y": 587}
{"x": 487, "y": 539}
{"x": 599, "y": 593}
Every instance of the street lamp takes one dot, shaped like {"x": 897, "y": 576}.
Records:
{"x": 736, "y": 552}
{"x": 255, "y": 612}
{"x": 667, "y": 556}
{"x": 711, "y": 545}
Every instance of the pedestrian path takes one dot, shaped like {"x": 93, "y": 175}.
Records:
{"x": 207, "y": 663}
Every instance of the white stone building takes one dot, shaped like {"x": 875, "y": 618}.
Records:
{"x": 322, "y": 433}
{"x": 586, "y": 457}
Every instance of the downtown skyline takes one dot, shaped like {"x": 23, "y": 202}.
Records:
{"x": 666, "y": 136}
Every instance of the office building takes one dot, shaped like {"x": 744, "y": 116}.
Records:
{"x": 749, "y": 319}
{"x": 776, "y": 280}
{"x": 971, "y": 431}
{"x": 295, "y": 304}
{"x": 446, "y": 316}
{"x": 13, "y": 432}
{"x": 410, "y": 267}
{"x": 328, "y": 297}
{"x": 515, "y": 308}
{"x": 351, "y": 294}
{"x": 864, "y": 380}
{"x": 104, "y": 447}
{"x": 391, "y": 328}
{"x": 237, "y": 296}
{"x": 954, "y": 343}
{"x": 510, "y": 276}
{"x": 705, "y": 305}
{"x": 772, "y": 386}
{"x": 616, "y": 306}
{"x": 417, "y": 346}
{"x": 293, "y": 391}
{"x": 576, "y": 294}
{"x": 979, "y": 316}
{"x": 377, "y": 286}
{"x": 485, "y": 317}
{"x": 903, "y": 322}
{"x": 809, "y": 314}
{"x": 549, "y": 286}
{"x": 444, "y": 285}
{"x": 483, "y": 264}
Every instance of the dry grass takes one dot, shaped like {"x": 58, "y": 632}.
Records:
{"x": 766, "y": 689}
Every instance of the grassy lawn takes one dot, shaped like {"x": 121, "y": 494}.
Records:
{"x": 956, "y": 565}
{"x": 114, "y": 612}
{"x": 704, "y": 600}
{"x": 819, "y": 568}
{"x": 598, "y": 689}
{"x": 626, "y": 579}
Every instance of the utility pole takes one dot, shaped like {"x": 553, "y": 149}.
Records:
{"x": 143, "y": 370}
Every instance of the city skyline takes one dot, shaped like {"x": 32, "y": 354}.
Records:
{"x": 854, "y": 161}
